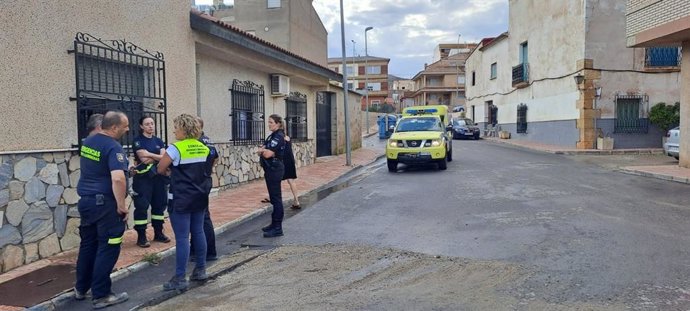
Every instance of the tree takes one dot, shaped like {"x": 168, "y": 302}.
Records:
{"x": 665, "y": 116}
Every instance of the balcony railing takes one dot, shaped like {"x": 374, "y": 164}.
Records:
{"x": 663, "y": 57}
{"x": 521, "y": 75}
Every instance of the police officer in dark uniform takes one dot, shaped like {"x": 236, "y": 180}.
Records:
{"x": 102, "y": 188}
{"x": 210, "y": 234}
{"x": 271, "y": 156}
{"x": 148, "y": 185}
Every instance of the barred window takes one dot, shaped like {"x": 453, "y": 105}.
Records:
{"x": 522, "y": 118}
{"x": 631, "y": 114}
{"x": 663, "y": 56}
{"x": 118, "y": 75}
{"x": 247, "y": 113}
{"x": 296, "y": 116}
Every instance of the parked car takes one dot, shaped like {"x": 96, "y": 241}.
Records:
{"x": 672, "y": 144}
{"x": 464, "y": 128}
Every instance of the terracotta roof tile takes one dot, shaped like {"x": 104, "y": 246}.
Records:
{"x": 252, "y": 37}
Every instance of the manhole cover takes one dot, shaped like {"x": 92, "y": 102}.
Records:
{"x": 37, "y": 286}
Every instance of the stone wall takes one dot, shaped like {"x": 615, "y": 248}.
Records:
{"x": 239, "y": 164}
{"x": 38, "y": 197}
{"x": 38, "y": 213}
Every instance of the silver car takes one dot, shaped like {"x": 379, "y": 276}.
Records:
{"x": 671, "y": 146}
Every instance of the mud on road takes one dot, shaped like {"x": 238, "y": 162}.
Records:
{"x": 345, "y": 277}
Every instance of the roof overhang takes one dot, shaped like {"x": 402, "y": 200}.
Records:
{"x": 667, "y": 34}
{"x": 246, "y": 41}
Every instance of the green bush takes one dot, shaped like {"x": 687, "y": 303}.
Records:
{"x": 665, "y": 116}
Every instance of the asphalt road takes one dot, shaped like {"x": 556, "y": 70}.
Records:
{"x": 582, "y": 233}
{"x": 589, "y": 233}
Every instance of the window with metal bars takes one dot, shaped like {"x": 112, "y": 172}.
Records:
{"x": 662, "y": 56}
{"x": 296, "y": 116}
{"x": 247, "y": 113}
{"x": 631, "y": 114}
{"x": 118, "y": 75}
{"x": 522, "y": 118}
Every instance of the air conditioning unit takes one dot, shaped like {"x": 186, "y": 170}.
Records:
{"x": 280, "y": 85}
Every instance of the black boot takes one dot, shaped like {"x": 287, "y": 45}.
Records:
{"x": 276, "y": 231}
{"x": 158, "y": 235}
{"x": 141, "y": 237}
{"x": 269, "y": 227}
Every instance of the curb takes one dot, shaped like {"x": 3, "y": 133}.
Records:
{"x": 584, "y": 151}
{"x": 368, "y": 135}
{"x": 60, "y": 299}
{"x": 681, "y": 180}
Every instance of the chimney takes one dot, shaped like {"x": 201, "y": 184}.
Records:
{"x": 425, "y": 64}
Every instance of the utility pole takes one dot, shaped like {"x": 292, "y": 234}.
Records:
{"x": 457, "y": 76}
{"x": 354, "y": 66}
{"x": 366, "y": 74}
{"x": 348, "y": 147}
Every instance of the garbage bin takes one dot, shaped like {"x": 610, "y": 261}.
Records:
{"x": 386, "y": 125}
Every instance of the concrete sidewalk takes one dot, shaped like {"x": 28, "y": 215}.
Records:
{"x": 665, "y": 172}
{"x": 228, "y": 209}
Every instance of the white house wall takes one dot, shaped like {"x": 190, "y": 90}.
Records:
{"x": 560, "y": 36}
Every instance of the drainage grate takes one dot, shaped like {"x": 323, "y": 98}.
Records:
{"x": 37, "y": 286}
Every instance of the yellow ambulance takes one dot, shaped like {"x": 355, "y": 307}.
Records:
{"x": 421, "y": 136}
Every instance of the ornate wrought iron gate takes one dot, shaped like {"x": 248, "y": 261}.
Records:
{"x": 323, "y": 124}
{"x": 118, "y": 75}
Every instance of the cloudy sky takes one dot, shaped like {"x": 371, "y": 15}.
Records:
{"x": 406, "y": 31}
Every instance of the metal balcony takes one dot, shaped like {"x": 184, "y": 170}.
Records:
{"x": 521, "y": 75}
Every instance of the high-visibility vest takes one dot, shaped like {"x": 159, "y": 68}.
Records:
{"x": 188, "y": 183}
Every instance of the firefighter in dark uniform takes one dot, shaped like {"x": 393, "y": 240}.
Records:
{"x": 148, "y": 185}
{"x": 271, "y": 156}
{"x": 102, "y": 188}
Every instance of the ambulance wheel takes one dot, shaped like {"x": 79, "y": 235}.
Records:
{"x": 443, "y": 164}
{"x": 392, "y": 166}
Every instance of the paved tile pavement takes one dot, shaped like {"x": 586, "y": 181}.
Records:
{"x": 228, "y": 206}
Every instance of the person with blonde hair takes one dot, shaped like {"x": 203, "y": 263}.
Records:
{"x": 188, "y": 198}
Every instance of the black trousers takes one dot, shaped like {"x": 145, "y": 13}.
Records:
{"x": 273, "y": 174}
{"x": 101, "y": 232}
{"x": 210, "y": 237}
{"x": 150, "y": 192}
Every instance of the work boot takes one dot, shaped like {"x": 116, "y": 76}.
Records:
{"x": 158, "y": 235}
{"x": 276, "y": 231}
{"x": 111, "y": 299}
{"x": 269, "y": 227}
{"x": 179, "y": 284}
{"x": 142, "y": 241}
{"x": 78, "y": 295}
{"x": 198, "y": 275}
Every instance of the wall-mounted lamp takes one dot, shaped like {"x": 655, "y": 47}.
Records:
{"x": 597, "y": 91}
{"x": 579, "y": 79}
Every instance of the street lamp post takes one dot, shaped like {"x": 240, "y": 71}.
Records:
{"x": 348, "y": 151}
{"x": 457, "y": 76}
{"x": 366, "y": 74}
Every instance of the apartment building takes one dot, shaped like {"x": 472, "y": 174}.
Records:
{"x": 663, "y": 25}
{"x": 293, "y": 25}
{"x": 362, "y": 70}
{"x": 443, "y": 82}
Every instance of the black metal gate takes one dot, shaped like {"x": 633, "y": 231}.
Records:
{"x": 118, "y": 75}
{"x": 323, "y": 124}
